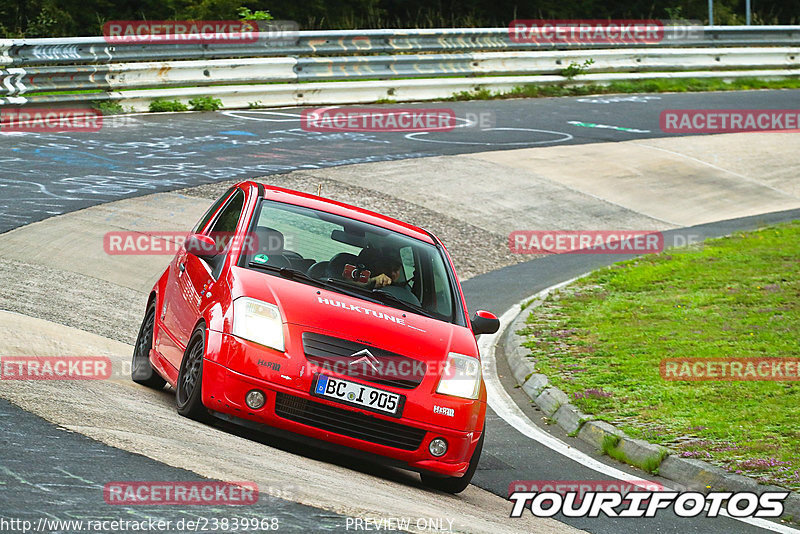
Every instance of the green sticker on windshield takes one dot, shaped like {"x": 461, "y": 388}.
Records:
{"x": 261, "y": 258}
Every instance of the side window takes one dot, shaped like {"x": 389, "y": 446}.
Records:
{"x": 225, "y": 226}
{"x": 444, "y": 302}
{"x": 407, "y": 258}
{"x": 211, "y": 211}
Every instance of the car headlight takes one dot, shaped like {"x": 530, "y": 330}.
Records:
{"x": 461, "y": 376}
{"x": 259, "y": 322}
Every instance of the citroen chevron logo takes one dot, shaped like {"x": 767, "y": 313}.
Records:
{"x": 367, "y": 358}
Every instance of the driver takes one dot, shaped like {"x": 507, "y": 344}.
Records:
{"x": 389, "y": 269}
{"x": 390, "y": 277}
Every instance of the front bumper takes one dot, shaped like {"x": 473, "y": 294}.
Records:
{"x": 287, "y": 382}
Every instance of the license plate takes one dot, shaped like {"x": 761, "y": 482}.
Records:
{"x": 354, "y": 394}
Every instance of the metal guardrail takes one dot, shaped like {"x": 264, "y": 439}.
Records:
{"x": 92, "y": 63}
{"x": 119, "y": 76}
{"x": 28, "y": 52}
{"x": 362, "y": 92}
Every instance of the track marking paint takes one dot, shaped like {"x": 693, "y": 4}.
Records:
{"x": 564, "y": 138}
{"x": 606, "y": 127}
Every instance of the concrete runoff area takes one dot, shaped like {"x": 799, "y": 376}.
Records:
{"x": 681, "y": 181}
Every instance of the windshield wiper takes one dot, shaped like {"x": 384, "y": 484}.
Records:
{"x": 350, "y": 289}
{"x": 287, "y": 272}
{"x": 330, "y": 283}
{"x": 397, "y": 300}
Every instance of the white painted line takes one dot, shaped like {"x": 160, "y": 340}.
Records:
{"x": 565, "y": 137}
{"x": 505, "y": 407}
{"x": 263, "y": 115}
{"x": 583, "y": 124}
{"x": 613, "y": 99}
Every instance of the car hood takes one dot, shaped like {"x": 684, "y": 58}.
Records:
{"x": 356, "y": 319}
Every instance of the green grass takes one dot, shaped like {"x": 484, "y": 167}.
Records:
{"x": 602, "y": 340}
{"x": 76, "y": 92}
{"x": 108, "y": 107}
{"x": 538, "y": 91}
{"x": 637, "y": 86}
{"x": 205, "y": 103}
{"x": 167, "y": 105}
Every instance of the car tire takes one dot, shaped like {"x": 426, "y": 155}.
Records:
{"x": 142, "y": 371}
{"x": 189, "y": 389}
{"x": 455, "y": 484}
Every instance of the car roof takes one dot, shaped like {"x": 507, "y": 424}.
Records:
{"x": 306, "y": 200}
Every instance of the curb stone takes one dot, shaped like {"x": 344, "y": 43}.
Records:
{"x": 687, "y": 472}
{"x": 641, "y": 453}
{"x": 551, "y": 399}
{"x": 522, "y": 370}
{"x": 595, "y": 432}
{"x": 520, "y": 366}
{"x": 570, "y": 418}
{"x": 535, "y": 385}
{"x": 792, "y": 505}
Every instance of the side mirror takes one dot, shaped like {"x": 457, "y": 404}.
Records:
{"x": 484, "y": 322}
{"x": 202, "y": 246}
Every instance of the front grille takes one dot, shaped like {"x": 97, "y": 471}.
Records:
{"x": 348, "y": 423}
{"x": 388, "y": 368}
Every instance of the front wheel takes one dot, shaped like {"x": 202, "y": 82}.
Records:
{"x": 142, "y": 371}
{"x": 455, "y": 484}
{"x": 189, "y": 389}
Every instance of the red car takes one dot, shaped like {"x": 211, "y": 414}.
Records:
{"x": 292, "y": 313}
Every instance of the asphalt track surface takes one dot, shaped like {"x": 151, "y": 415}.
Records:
{"x": 48, "y": 174}
{"x": 61, "y": 472}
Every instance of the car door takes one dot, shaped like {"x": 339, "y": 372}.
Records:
{"x": 190, "y": 287}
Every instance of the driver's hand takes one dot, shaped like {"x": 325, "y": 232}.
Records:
{"x": 380, "y": 281}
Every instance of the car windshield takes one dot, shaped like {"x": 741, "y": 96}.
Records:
{"x": 350, "y": 256}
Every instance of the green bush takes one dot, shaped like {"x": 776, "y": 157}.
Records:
{"x": 205, "y": 103}
{"x": 245, "y": 14}
{"x": 167, "y": 105}
{"x": 108, "y": 107}
{"x": 574, "y": 69}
